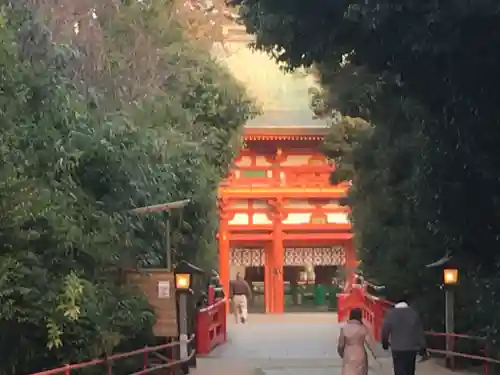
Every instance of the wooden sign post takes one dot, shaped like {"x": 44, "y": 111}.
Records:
{"x": 158, "y": 286}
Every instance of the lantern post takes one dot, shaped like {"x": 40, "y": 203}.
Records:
{"x": 167, "y": 208}
{"x": 183, "y": 287}
{"x": 184, "y": 274}
{"x": 450, "y": 280}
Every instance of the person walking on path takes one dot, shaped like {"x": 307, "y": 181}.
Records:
{"x": 240, "y": 293}
{"x": 353, "y": 339}
{"x": 402, "y": 330}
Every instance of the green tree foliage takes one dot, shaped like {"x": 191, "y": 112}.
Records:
{"x": 425, "y": 76}
{"x": 87, "y": 134}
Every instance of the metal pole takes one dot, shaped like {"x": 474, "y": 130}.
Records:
{"x": 168, "y": 265}
{"x": 168, "y": 245}
{"x": 449, "y": 324}
{"x": 183, "y": 330}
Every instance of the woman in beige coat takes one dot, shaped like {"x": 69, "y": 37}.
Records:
{"x": 353, "y": 340}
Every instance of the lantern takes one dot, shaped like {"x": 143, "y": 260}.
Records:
{"x": 450, "y": 276}
{"x": 182, "y": 281}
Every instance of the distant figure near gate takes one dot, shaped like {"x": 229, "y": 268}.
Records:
{"x": 240, "y": 293}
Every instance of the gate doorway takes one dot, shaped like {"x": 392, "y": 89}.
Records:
{"x": 310, "y": 278}
{"x": 313, "y": 289}
{"x": 254, "y": 276}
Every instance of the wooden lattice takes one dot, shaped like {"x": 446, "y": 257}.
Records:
{"x": 317, "y": 256}
{"x": 328, "y": 256}
{"x": 246, "y": 257}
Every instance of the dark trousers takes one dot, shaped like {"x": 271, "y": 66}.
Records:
{"x": 404, "y": 362}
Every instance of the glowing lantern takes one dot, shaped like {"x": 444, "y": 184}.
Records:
{"x": 450, "y": 276}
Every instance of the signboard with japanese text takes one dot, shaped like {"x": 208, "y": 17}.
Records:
{"x": 158, "y": 286}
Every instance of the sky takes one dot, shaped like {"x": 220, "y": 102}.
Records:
{"x": 273, "y": 89}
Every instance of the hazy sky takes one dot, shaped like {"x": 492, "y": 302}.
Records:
{"x": 271, "y": 87}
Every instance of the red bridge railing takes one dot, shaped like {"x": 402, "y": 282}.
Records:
{"x": 211, "y": 328}
{"x": 144, "y": 353}
{"x": 210, "y": 332}
{"x": 374, "y": 310}
{"x": 479, "y": 344}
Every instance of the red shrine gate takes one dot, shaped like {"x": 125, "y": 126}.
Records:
{"x": 278, "y": 209}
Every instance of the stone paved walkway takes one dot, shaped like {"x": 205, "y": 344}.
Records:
{"x": 289, "y": 344}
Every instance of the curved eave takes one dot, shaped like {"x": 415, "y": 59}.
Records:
{"x": 283, "y": 138}
{"x": 272, "y": 192}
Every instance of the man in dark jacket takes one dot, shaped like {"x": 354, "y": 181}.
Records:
{"x": 403, "y": 330}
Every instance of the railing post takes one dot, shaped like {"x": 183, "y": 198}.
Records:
{"x": 486, "y": 367}
{"x": 202, "y": 334}
{"x": 145, "y": 356}
{"x": 222, "y": 312}
{"x": 453, "y": 345}
{"x": 67, "y": 370}
{"x": 342, "y": 299}
{"x": 211, "y": 318}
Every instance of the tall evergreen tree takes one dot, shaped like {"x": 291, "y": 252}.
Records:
{"x": 424, "y": 75}
{"x": 89, "y": 131}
